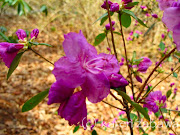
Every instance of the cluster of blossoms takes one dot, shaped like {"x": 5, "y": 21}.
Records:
{"x": 107, "y": 26}
{"x": 114, "y": 7}
{"x": 8, "y": 51}
{"x": 82, "y": 67}
{"x": 171, "y": 10}
{"x": 155, "y": 101}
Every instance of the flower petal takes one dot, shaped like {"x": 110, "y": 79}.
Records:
{"x": 176, "y": 36}
{"x": 74, "y": 110}
{"x": 75, "y": 45}
{"x": 96, "y": 87}
{"x": 70, "y": 72}
{"x": 59, "y": 92}
{"x": 8, "y": 52}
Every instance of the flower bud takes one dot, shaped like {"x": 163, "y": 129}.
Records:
{"x": 114, "y": 7}
{"x": 104, "y": 4}
{"x": 154, "y": 15}
{"x": 21, "y": 34}
{"x": 34, "y": 33}
{"x": 117, "y": 80}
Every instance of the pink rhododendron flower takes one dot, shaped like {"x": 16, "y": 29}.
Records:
{"x": 175, "y": 90}
{"x": 163, "y": 36}
{"x": 163, "y": 4}
{"x": 172, "y": 84}
{"x": 172, "y": 12}
{"x": 8, "y": 52}
{"x": 144, "y": 65}
{"x": 154, "y": 101}
{"x": 138, "y": 78}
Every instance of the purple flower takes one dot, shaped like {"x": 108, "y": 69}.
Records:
{"x": 154, "y": 15}
{"x": 129, "y": 38}
{"x": 144, "y": 65}
{"x": 8, "y": 52}
{"x": 114, "y": 7}
{"x": 171, "y": 134}
{"x": 138, "y": 78}
{"x": 74, "y": 109}
{"x": 172, "y": 12}
{"x": 143, "y": 7}
{"x": 177, "y": 108}
{"x": 160, "y": 117}
{"x": 21, "y": 34}
{"x": 126, "y": 1}
{"x": 175, "y": 90}
{"x": 108, "y": 26}
{"x": 104, "y": 4}
{"x": 172, "y": 84}
{"x": 122, "y": 112}
{"x": 163, "y": 36}
{"x": 147, "y": 14}
{"x": 82, "y": 66}
{"x": 34, "y": 33}
{"x": 163, "y": 4}
{"x": 117, "y": 80}
{"x": 154, "y": 101}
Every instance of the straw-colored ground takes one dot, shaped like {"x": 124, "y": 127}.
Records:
{"x": 33, "y": 74}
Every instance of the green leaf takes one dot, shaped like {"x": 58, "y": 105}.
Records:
{"x": 125, "y": 20}
{"x": 105, "y": 18}
{"x": 122, "y": 118}
{"x": 150, "y": 28}
{"x": 104, "y": 15}
{"x": 44, "y": 9}
{"x": 99, "y": 38}
{"x": 164, "y": 110}
{"x": 4, "y": 37}
{"x": 117, "y": 33}
{"x": 14, "y": 64}
{"x": 175, "y": 74}
{"x": 94, "y": 132}
{"x": 76, "y": 129}
{"x": 153, "y": 125}
{"x": 124, "y": 95}
{"x": 132, "y": 4}
{"x": 170, "y": 36}
{"x": 162, "y": 46}
{"x": 170, "y": 59}
{"x": 168, "y": 93}
{"x": 34, "y": 101}
{"x": 20, "y": 9}
{"x": 136, "y": 35}
{"x": 36, "y": 43}
{"x": 133, "y": 15}
{"x": 133, "y": 116}
{"x": 141, "y": 110}
{"x": 26, "y": 6}
{"x": 135, "y": 105}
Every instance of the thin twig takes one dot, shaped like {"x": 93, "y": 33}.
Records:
{"x": 117, "y": 98}
{"x": 41, "y": 56}
{"x": 111, "y": 30}
{"x": 113, "y": 105}
{"x": 127, "y": 63}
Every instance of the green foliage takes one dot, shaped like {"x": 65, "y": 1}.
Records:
{"x": 76, "y": 129}
{"x": 34, "y": 101}
{"x": 162, "y": 46}
{"x": 133, "y": 15}
{"x": 168, "y": 93}
{"x": 175, "y": 75}
{"x": 99, "y": 38}
{"x": 125, "y": 20}
{"x": 94, "y": 132}
{"x": 135, "y": 105}
{"x": 14, "y": 64}
{"x": 44, "y": 9}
